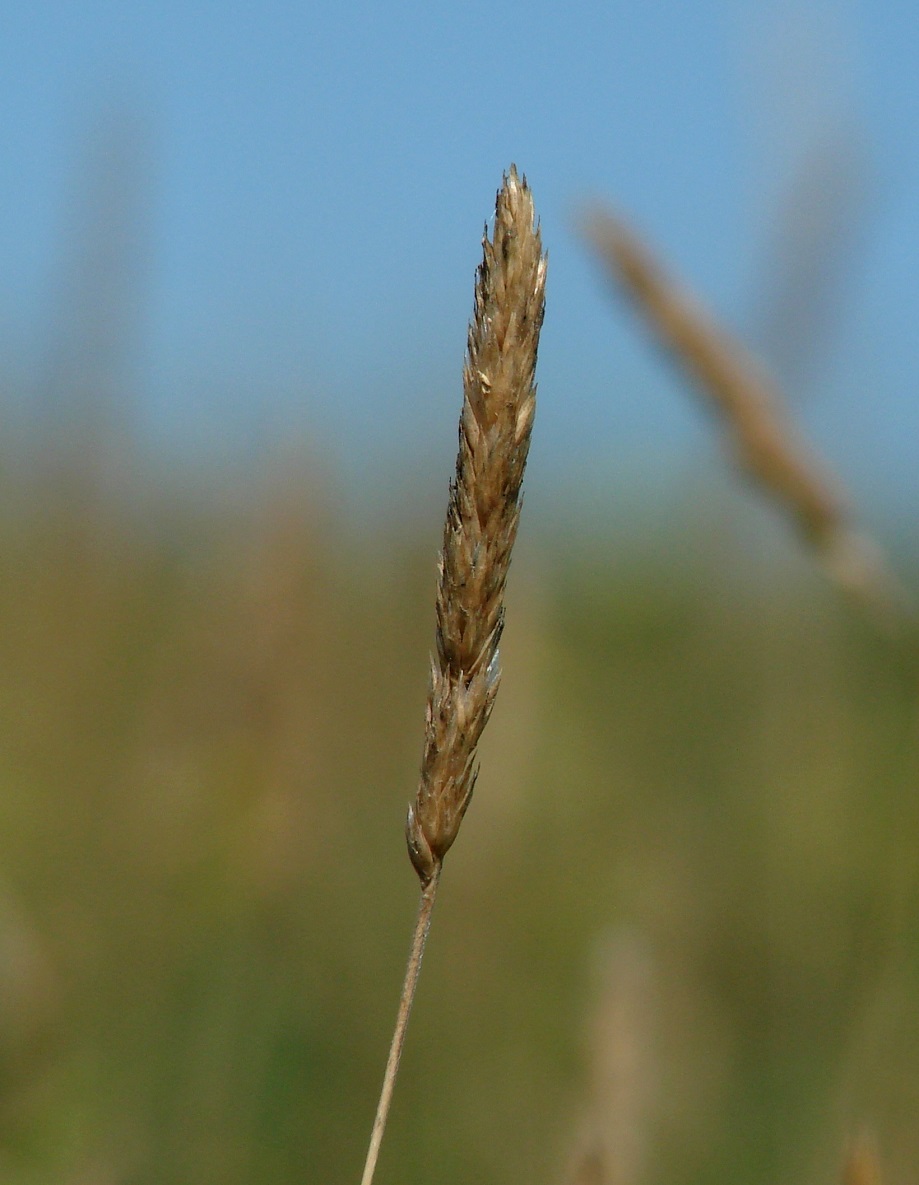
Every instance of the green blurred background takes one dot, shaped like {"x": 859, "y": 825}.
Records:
{"x": 698, "y": 786}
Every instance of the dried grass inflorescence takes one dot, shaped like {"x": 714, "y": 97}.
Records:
{"x": 499, "y": 403}
{"x": 494, "y": 436}
{"x": 763, "y": 438}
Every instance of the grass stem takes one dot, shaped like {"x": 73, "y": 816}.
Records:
{"x": 412, "y": 971}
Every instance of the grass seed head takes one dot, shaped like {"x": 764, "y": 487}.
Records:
{"x": 499, "y": 404}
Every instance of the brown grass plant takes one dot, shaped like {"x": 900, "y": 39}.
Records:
{"x": 499, "y": 402}
{"x": 763, "y": 438}
{"x": 612, "y": 1144}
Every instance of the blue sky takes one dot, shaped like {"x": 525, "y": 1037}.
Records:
{"x": 307, "y": 185}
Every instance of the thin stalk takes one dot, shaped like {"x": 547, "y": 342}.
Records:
{"x": 412, "y": 971}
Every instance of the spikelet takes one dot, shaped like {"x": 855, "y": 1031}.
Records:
{"x": 494, "y": 435}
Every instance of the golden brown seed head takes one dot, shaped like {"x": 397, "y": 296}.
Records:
{"x": 499, "y": 403}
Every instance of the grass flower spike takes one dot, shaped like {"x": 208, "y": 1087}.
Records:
{"x": 499, "y": 403}
{"x": 494, "y": 435}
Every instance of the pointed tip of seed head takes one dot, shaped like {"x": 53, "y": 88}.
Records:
{"x": 514, "y": 202}
{"x": 515, "y": 183}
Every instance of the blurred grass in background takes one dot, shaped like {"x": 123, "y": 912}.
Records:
{"x": 210, "y": 721}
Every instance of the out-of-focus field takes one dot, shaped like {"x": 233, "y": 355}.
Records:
{"x": 210, "y": 725}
